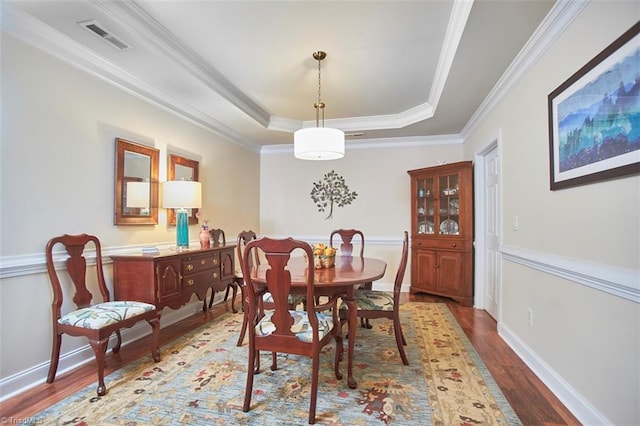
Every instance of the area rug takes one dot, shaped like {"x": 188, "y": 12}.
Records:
{"x": 202, "y": 376}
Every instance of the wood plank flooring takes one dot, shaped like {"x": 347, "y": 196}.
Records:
{"x": 529, "y": 397}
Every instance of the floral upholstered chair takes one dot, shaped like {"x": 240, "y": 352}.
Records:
{"x": 96, "y": 321}
{"x": 283, "y": 330}
{"x": 244, "y": 238}
{"x": 346, "y": 249}
{"x": 374, "y": 304}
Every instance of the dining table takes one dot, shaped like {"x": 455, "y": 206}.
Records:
{"x": 347, "y": 274}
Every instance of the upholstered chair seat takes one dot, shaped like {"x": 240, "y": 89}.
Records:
{"x": 105, "y": 314}
{"x": 301, "y": 326}
{"x": 373, "y": 300}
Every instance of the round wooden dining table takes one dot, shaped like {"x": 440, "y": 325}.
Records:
{"x": 343, "y": 279}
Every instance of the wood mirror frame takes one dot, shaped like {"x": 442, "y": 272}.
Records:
{"x": 186, "y": 169}
{"x": 135, "y": 163}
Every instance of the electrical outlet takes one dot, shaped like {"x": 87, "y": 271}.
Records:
{"x": 529, "y": 316}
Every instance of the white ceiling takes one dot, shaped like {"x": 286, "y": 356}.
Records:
{"x": 244, "y": 69}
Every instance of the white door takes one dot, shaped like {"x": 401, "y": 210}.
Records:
{"x": 492, "y": 240}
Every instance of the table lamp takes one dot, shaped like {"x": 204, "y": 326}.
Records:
{"x": 182, "y": 195}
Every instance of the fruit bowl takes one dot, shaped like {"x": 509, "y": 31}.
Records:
{"x": 324, "y": 256}
{"x": 324, "y": 262}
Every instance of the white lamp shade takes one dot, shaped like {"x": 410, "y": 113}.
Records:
{"x": 318, "y": 143}
{"x": 181, "y": 194}
{"x": 138, "y": 194}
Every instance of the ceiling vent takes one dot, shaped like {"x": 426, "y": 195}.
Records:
{"x": 97, "y": 29}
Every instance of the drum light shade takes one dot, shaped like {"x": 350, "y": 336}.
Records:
{"x": 318, "y": 143}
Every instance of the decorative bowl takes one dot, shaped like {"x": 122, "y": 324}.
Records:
{"x": 323, "y": 262}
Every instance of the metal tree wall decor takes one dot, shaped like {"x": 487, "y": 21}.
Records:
{"x": 331, "y": 190}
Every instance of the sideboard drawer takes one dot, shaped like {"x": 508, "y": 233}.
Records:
{"x": 195, "y": 264}
{"x": 205, "y": 278}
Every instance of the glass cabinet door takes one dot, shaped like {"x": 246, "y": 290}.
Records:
{"x": 426, "y": 206}
{"x": 449, "y": 205}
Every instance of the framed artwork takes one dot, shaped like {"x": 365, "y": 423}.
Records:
{"x": 594, "y": 117}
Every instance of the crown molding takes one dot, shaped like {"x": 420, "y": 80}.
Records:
{"x": 41, "y": 36}
{"x": 554, "y": 24}
{"x": 131, "y": 14}
{"x": 408, "y": 142}
{"x": 147, "y": 26}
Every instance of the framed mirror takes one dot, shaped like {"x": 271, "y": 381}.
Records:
{"x": 181, "y": 168}
{"x": 136, "y": 184}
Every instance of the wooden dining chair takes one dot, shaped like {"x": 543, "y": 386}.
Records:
{"x": 266, "y": 300}
{"x": 283, "y": 330}
{"x": 244, "y": 238}
{"x": 374, "y": 304}
{"x": 217, "y": 238}
{"x": 96, "y": 321}
{"x": 346, "y": 249}
{"x": 346, "y": 245}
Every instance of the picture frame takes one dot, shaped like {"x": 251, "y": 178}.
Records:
{"x": 594, "y": 118}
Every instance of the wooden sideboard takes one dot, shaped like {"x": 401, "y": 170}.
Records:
{"x": 171, "y": 279}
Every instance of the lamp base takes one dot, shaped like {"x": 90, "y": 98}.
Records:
{"x": 182, "y": 230}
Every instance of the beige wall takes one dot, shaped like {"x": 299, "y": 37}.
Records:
{"x": 58, "y": 130}
{"x": 381, "y": 210}
{"x": 378, "y": 175}
{"x": 585, "y": 342}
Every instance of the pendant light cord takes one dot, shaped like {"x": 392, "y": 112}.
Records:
{"x": 319, "y": 106}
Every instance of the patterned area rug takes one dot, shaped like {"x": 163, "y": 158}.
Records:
{"x": 202, "y": 375}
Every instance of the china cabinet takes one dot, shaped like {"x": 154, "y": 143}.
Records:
{"x": 442, "y": 231}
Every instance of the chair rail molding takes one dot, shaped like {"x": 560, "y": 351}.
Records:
{"x": 619, "y": 282}
{"x": 36, "y": 263}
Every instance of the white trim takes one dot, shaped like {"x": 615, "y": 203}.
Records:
{"x": 406, "y": 142}
{"x": 36, "y": 263}
{"x": 479, "y": 220}
{"x": 581, "y": 408}
{"x": 619, "y": 282}
{"x": 554, "y": 24}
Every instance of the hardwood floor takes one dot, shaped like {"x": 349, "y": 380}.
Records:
{"x": 529, "y": 397}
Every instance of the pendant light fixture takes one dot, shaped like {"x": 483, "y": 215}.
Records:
{"x": 318, "y": 143}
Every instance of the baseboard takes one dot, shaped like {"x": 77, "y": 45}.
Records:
{"x": 36, "y": 375}
{"x": 586, "y": 413}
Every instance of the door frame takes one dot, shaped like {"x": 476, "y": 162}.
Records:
{"x": 479, "y": 221}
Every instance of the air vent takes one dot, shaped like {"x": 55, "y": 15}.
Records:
{"x": 97, "y": 29}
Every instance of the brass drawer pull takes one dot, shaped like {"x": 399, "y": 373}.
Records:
{"x": 215, "y": 275}
{"x": 203, "y": 261}
{"x": 190, "y": 282}
{"x": 216, "y": 261}
{"x": 189, "y": 267}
